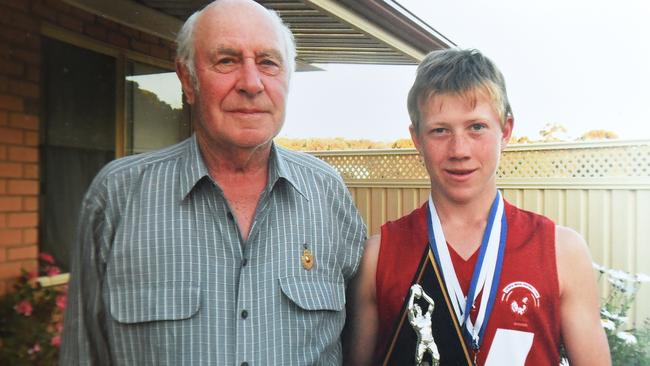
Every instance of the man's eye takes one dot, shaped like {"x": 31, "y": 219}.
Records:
{"x": 226, "y": 65}
{"x": 225, "y": 61}
{"x": 269, "y": 66}
{"x": 438, "y": 130}
{"x": 268, "y": 62}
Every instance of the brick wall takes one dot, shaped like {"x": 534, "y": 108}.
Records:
{"x": 20, "y": 114}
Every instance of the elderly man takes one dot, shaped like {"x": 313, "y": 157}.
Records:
{"x": 223, "y": 249}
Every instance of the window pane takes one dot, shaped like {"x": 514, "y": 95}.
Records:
{"x": 154, "y": 109}
{"x": 78, "y": 137}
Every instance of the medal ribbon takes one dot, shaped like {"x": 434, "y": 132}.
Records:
{"x": 487, "y": 271}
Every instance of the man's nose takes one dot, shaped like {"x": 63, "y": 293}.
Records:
{"x": 249, "y": 81}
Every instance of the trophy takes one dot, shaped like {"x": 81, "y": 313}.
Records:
{"x": 426, "y": 332}
{"x": 421, "y": 324}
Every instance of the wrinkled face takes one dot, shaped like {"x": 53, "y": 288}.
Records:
{"x": 461, "y": 144}
{"x": 241, "y": 74}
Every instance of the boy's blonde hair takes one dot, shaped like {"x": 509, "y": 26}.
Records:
{"x": 465, "y": 73}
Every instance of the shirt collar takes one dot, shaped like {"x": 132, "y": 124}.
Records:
{"x": 194, "y": 169}
{"x": 279, "y": 169}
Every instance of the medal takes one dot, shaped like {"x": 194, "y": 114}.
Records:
{"x": 307, "y": 259}
{"x": 486, "y": 275}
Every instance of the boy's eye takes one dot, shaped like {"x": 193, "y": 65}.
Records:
{"x": 478, "y": 126}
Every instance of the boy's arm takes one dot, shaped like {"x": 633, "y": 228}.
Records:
{"x": 362, "y": 323}
{"x": 582, "y": 332}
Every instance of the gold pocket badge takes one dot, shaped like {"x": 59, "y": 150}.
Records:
{"x": 307, "y": 259}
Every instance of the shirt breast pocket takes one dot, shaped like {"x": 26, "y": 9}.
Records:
{"x": 135, "y": 303}
{"x": 314, "y": 293}
{"x": 315, "y": 311}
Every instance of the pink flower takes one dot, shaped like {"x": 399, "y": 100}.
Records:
{"x": 56, "y": 341}
{"x": 61, "y": 301}
{"x": 58, "y": 327}
{"x": 35, "y": 349}
{"x": 32, "y": 279}
{"x": 52, "y": 270}
{"x": 24, "y": 307}
{"x": 47, "y": 258}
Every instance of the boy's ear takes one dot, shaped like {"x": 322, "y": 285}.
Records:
{"x": 506, "y": 131}
{"x": 415, "y": 138}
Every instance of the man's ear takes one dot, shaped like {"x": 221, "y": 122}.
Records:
{"x": 506, "y": 131}
{"x": 186, "y": 81}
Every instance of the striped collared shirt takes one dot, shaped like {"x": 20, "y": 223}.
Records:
{"x": 161, "y": 276}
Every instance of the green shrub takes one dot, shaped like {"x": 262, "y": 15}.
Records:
{"x": 31, "y": 319}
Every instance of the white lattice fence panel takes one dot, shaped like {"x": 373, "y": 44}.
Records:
{"x": 354, "y": 166}
{"x": 615, "y": 161}
{"x": 568, "y": 160}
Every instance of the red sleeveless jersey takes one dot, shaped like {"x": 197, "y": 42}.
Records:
{"x": 527, "y": 304}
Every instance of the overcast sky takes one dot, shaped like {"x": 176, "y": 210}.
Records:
{"x": 582, "y": 64}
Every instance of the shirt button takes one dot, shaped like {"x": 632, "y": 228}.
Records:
{"x": 229, "y": 215}
{"x": 244, "y": 363}
{"x": 244, "y": 262}
{"x": 244, "y": 314}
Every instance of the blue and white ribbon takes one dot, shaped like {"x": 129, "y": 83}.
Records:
{"x": 487, "y": 271}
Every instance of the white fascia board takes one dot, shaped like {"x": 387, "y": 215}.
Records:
{"x": 337, "y": 10}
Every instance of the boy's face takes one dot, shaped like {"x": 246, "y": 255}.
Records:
{"x": 461, "y": 145}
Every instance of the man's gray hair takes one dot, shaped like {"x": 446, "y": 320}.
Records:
{"x": 465, "y": 73}
{"x": 185, "y": 43}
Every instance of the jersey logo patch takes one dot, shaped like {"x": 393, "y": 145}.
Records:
{"x": 520, "y": 297}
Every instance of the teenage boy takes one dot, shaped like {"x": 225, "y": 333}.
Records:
{"x": 526, "y": 283}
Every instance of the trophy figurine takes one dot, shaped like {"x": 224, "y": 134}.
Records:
{"x": 421, "y": 324}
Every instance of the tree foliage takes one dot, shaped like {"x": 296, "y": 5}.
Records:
{"x": 552, "y": 132}
{"x": 337, "y": 143}
{"x": 403, "y": 144}
{"x": 598, "y": 135}
{"x": 555, "y": 132}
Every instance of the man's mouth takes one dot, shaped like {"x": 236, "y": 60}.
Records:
{"x": 247, "y": 110}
